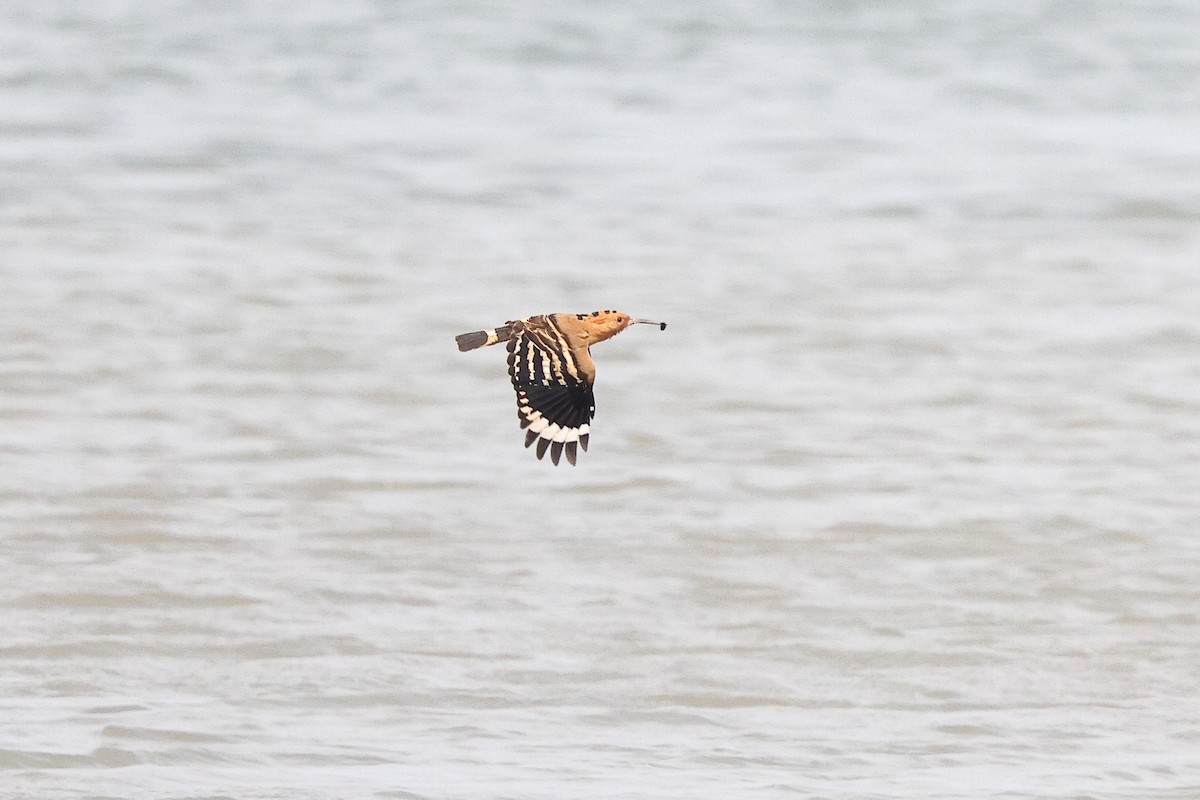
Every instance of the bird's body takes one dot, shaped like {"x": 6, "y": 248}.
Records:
{"x": 552, "y": 372}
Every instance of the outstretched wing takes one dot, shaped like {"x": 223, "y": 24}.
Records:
{"x": 554, "y": 390}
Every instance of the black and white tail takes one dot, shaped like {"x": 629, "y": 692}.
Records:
{"x": 469, "y": 341}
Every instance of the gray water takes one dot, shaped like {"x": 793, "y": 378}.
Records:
{"x": 905, "y": 502}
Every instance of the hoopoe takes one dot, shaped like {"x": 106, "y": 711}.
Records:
{"x": 552, "y": 370}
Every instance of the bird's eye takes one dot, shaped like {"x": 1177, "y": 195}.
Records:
{"x": 620, "y": 319}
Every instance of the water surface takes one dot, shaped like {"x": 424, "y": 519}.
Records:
{"x": 903, "y": 504}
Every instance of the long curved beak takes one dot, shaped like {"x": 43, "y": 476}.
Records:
{"x": 662, "y": 326}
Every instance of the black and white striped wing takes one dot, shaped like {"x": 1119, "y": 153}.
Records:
{"x": 554, "y": 398}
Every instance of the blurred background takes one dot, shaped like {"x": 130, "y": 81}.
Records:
{"x": 903, "y": 503}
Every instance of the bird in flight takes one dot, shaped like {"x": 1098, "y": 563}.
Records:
{"x": 552, "y": 370}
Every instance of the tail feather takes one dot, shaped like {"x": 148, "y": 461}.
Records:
{"x": 474, "y": 339}
{"x": 469, "y": 341}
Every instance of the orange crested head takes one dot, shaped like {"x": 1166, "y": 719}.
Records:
{"x": 601, "y": 325}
